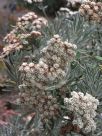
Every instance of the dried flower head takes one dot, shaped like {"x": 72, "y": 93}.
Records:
{"x": 92, "y": 11}
{"x": 39, "y": 100}
{"x": 28, "y": 27}
{"x": 31, "y": 21}
{"x": 53, "y": 66}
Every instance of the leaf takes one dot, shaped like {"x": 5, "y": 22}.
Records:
{"x": 2, "y": 64}
{"x": 98, "y": 58}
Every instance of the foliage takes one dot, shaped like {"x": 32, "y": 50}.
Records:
{"x": 85, "y": 74}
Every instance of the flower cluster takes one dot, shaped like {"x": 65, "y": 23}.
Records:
{"x": 28, "y": 27}
{"x": 11, "y": 38}
{"x": 39, "y": 100}
{"x": 50, "y": 70}
{"x": 92, "y": 11}
{"x": 13, "y": 43}
{"x": 54, "y": 64}
{"x": 84, "y": 110}
{"x": 31, "y": 21}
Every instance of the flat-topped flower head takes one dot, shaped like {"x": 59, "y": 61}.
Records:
{"x": 84, "y": 110}
{"x": 92, "y": 11}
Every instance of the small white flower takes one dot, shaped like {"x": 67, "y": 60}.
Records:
{"x": 29, "y": 1}
{"x": 66, "y": 117}
{"x": 24, "y": 64}
{"x": 31, "y": 64}
{"x": 66, "y": 100}
{"x": 41, "y": 63}
{"x": 27, "y": 69}
{"x": 21, "y": 68}
{"x": 56, "y": 36}
{"x": 56, "y": 65}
